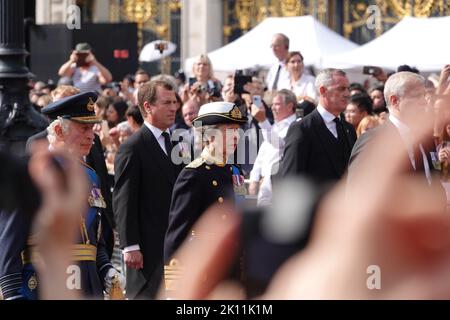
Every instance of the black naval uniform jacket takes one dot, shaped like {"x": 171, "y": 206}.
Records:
{"x": 199, "y": 185}
{"x": 15, "y": 273}
{"x": 96, "y": 160}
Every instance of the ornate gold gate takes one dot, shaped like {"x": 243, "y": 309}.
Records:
{"x": 239, "y": 16}
{"x": 386, "y": 14}
{"x": 349, "y": 17}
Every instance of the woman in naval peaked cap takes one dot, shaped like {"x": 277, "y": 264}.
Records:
{"x": 209, "y": 179}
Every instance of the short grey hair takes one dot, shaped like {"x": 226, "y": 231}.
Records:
{"x": 400, "y": 83}
{"x": 64, "y": 123}
{"x": 288, "y": 97}
{"x": 325, "y": 77}
{"x": 125, "y": 127}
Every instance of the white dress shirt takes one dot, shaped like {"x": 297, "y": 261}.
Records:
{"x": 328, "y": 118}
{"x": 269, "y": 154}
{"x": 405, "y": 133}
{"x": 157, "y": 133}
{"x": 283, "y": 77}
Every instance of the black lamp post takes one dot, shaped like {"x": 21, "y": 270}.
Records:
{"x": 18, "y": 119}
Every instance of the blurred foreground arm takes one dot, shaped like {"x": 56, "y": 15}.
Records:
{"x": 400, "y": 229}
{"x": 56, "y": 223}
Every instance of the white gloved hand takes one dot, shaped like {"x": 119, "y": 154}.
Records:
{"x": 112, "y": 273}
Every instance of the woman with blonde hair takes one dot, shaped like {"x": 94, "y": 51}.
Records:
{"x": 202, "y": 68}
{"x": 202, "y": 85}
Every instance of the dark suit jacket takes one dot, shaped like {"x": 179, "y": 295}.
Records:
{"x": 313, "y": 151}
{"x": 144, "y": 180}
{"x": 96, "y": 160}
{"x": 367, "y": 138}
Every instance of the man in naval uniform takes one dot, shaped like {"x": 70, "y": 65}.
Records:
{"x": 73, "y": 130}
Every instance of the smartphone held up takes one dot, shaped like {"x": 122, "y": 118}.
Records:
{"x": 372, "y": 70}
{"x": 257, "y": 101}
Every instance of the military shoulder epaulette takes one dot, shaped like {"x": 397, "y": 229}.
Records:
{"x": 196, "y": 163}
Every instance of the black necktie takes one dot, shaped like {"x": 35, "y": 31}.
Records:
{"x": 341, "y": 135}
{"x": 167, "y": 143}
{"x": 275, "y": 82}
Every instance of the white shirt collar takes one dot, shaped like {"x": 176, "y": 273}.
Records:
{"x": 402, "y": 128}
{"x": 325, "y": 114}
{"x": 286, "y": 121}
{"x": 156, "y": 131}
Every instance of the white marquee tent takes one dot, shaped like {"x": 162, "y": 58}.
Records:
{"x": 252, "y": 50}
{"x": 422, "y": 43}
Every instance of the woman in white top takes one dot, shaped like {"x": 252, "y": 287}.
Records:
{"x": 302, "y": 84}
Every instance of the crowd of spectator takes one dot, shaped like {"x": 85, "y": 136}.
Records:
{"x": 296, "y": 121}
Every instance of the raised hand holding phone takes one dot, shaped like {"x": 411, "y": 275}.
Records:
{"x": 257, "y": 101}
{"x": 257, "y": 109}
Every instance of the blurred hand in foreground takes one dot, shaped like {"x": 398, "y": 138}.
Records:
{"x": 384, "y": 225}
{"x": 64, "y": 192}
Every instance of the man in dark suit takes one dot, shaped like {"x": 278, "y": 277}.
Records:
{"x": 405, "y": 96}
{"x": 319, "y": 145}
{"x": 145, "y": 174}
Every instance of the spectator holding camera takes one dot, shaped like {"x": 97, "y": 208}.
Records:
{"x": 85, "y": 71}
{"x": 203, "y": 85}
{"x": 251, "y": 141}
{"x": 269, "y": 154}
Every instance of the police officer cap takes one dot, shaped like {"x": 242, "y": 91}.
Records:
{"x": 219, "y": 113}
{"x": 79, "y": 108}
